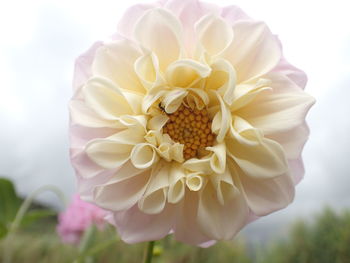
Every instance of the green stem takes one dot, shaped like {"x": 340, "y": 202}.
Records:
{"x": 149, "y": 252}
{"x": 21, "y": 212}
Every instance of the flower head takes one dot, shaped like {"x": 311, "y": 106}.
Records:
{"x": 77, "y": 218}
{"x": 189, "y": 120}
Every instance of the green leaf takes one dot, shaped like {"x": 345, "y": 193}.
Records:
{"x": 9, "y": 201}
{"x": 35, "y": 215}
{"x": 3, "y": 230}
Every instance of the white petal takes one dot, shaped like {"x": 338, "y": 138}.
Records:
{"x": 109, "y": 101}
{"x": 246, "y": 93}
{"x": 254, "y": 51}
{"x": 122, "y": 194}
{"x": 292, "y": 141}
{"x": 185, "y": 72}
{"x": 195, "y": 181}
{"x": 176, "y": 190}
{"x": 218, "y": 158}
{"x": 155, "y": 196}
{"x": 224, "y": 186}
{"x": 135, "y": 226}
{"x": 199, "y": 165}
{"x": 157, "y": 122}
{"x": 257, "y": 156}
{"x": 187, "y": 228}
{"x": 221, "y": 222}
{"x": 266, "y": 195}
{"x": 214, "y": 34}
{"x": 160, "y": 31}
{"x": 143, "y": 155}
{"x": 115, "y": 61}
{"x": 153, "y": 95}
{"x": 279, "y": 110}
{"x": 173, "y": 99}
{"x": 115, "y": 150}
{"x": 223, "y": 78}
{"x": 221, "y": 121}
{"x": 147, "y": 69}
{"x": 83, "y": 115}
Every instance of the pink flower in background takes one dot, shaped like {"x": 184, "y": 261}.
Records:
{"x": 188, "y": 121}
{"x": 77, "y": 218}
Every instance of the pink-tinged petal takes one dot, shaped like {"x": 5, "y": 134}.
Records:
{"x": 82, "y": 69}
{"x": 135, "y": 226}
{"x": 85, "y": 116}
{"x": 266, "y": 195}
{"x": 278, "y": 110}
{"x": 160, "y": 31}
{"x": 189, "y": 12}
{"x": 293, "y": 73}
{"x": 233, "y": 13}
{"x": 214, "y": 34}
{"x": 122, "y": 190}
{"x": 257, "y": 156}
{"x": 296, "y": 167}
{"x": 132, "y": 14}
{"x": 292, "y": 141}
{"x": 221, "y": 221}
{"x": 115, "y": 61}
{"x": 187, "y": 229}
{"x": 254, "y": 50}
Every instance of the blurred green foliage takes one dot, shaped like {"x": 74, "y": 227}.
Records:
{"x": 325, "y": 239}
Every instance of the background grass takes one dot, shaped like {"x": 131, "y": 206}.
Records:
{"x": 326, "y": 239}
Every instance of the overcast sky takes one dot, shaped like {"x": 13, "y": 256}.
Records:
{"x": 41, "y": 39}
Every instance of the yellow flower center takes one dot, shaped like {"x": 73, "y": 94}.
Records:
{"x": 192, "y": 128}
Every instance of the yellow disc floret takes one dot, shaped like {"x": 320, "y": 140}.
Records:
{"x": 192, "y": 128}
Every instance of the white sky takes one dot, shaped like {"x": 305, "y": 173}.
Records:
{"x": 39, "y": 41}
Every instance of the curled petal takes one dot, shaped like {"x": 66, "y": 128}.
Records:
{"x": 127, "y": 186}
{"x": 157, "y": 122}
{"x": 160, "y": 31}
{"x": 154, "y": 199}
{"x": 185, "y": 72}
{"x": 147, "y": 69}
{"x": 173, "y": 99}
{"x": 176, "y": 184}
{"x": 199, "y": 165}
{"x": 176, "y": 152}
{"x": 108, "y": 100}
{"x": 143, "y": 155}
{"x": 218, "y": 158}
{"x": 115, "y": 150}
{"x": 254, "y": 51}
{"x": 153, "y": 95}
{"x": 223, "y": 79}
{"x": 221, "y": 121}
{"x": 214, "y": 34}
{"x": 257, "y": 156}
{"x": 246, "y": 93}
{"x": 115, "y": 61}
{"x": 195, "y": 181}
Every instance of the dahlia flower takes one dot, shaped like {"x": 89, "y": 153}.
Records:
{"x": 189, "y": 121}
{"x": 78, "y": 217}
